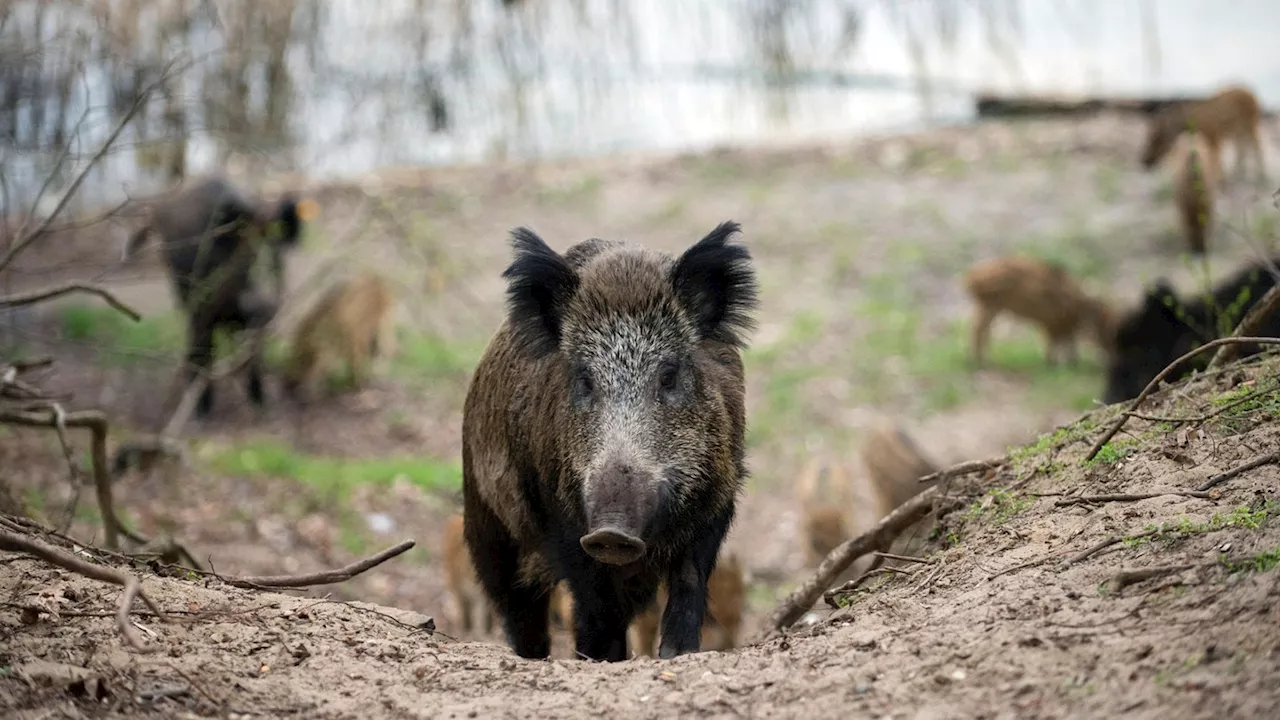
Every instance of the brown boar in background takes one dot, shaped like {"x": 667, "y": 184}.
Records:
{"x": 1232, "y": 114}
{"x": 353, "y": 321}
{"x": 475, "y": 617}
{"x": 1043, "y": 293}
{"x": 1197, "y": 177}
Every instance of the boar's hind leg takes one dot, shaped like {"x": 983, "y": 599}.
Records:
{"x": 687, "y": 595}
{"x": 497, "y": 561}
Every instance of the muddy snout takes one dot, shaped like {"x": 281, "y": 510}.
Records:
{"x": 620, "y": 503}
{"x": 613, "y": 546}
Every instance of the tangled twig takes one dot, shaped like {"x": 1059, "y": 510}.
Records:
{"x": 964, "y": 468}
{"x": 1129, "y": 497}
{"x": 1155, "y": 382}
{"x": 96, "y": 423}
{"x": 132, "y": 586}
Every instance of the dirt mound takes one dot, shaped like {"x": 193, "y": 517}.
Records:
{"x": 1062, "y": 588}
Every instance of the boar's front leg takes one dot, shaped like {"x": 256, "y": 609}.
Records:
{"x": 600, "y": 615}
{"x": 687, "y": 596}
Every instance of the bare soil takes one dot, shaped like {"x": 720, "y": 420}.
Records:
{"x": 859, "y": 249}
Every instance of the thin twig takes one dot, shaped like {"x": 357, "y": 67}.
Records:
{"x": 1125, "y": 578}
{"x": 1155, "y": 382}
{"x": 1129, "y": 497}
{"x": 964, "y": 468}
{"x": 905, "y": 558}
{"x": 321, "y": 578}
{"x": 32, "y": 298}
{"x": 1250, "y": 324}
{"x": 132, "y": 586}
{"x": 73, "y": 475}
{"x": 832, "y": 597}
{"x": 1257, "y": 462}
{"x": 1113, "y": 540}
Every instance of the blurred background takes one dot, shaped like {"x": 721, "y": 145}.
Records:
{"x": 843, "y": 134}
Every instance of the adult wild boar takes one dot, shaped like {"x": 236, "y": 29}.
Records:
{"x": 602, "y": 436}
{"x": 1163, "y": 328}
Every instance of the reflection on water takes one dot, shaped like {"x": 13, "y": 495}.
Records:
{"x": 340, "y": 87}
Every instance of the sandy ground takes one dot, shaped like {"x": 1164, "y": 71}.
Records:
{"x": 862, "y": 316}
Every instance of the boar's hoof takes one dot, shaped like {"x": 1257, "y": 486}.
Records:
{"x": 613, "y": 546}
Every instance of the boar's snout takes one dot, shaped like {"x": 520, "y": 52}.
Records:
{"x": 621, "y": 501}
{"x": 613, "y": 546}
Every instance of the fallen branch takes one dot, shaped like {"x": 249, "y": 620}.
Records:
{"x": 1249, "y": 325}
{"x": 1129, "y": 497}
{"x": 877, "y": 538}
{"x": 31, "y": 298}
{"x": 132, "y": 585}
{"x": 321, "y": 578}
{"x": 1155, "y": 382}
{"x": 904, "y": 558}
{"x": 1268, "y": 459}
{"x": 1125, "y": 578}
{"x": 964, "y": 468}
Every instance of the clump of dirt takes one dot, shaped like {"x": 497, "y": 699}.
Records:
{"x": 1062, "y": 588}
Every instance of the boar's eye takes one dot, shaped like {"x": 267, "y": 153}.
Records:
{"x": 668, "y": 375}
{"x": 584, "y": 387}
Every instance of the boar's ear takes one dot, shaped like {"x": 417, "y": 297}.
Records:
{"x": 539, "y": 285}
{"x": 716, "y": 284}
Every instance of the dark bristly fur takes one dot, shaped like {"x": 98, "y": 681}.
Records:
{"x": 603, "y": 437}
{"x": 211, "y": 236}
{"x": 1163, "y": 328}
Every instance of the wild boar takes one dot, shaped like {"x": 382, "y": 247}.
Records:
{"x": 1163, "y": 328}
{"x": 1043, "y": 293}
{"x": 352, "y": 322}
{"x": 474, "y": 613}
{"x": 1232, "y": 114}
{"x": 603, "y": 436}
{"x": 212, "y": 237}
{"x": 1197, "y": 175}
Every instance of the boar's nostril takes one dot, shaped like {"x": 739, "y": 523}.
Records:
{"x": 613, "y": 546}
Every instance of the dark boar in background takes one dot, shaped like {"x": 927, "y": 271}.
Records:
{"x": 602, "y": 438}
{"x": 212, "y": 237}
{"x": 1163, "y": 328}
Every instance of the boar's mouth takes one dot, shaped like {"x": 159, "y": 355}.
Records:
{"x": 613, "y": 546}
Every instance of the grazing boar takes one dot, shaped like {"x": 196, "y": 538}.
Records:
{"x": 1163, "y": 328}
{"x": 212, "y": 237}
{"x": 1043, "y": 293}
{"x": 1197, "y": 175}
{"x": 603, "y": 436}
{"x": 726, "y": 596}
{"x": 1231, "y": 114}
{"x": 352, "y": 322}
{"x": 474, "y": 612}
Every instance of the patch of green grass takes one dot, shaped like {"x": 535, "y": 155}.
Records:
{"x": 1059, "y": 438}
{"x": 998, "y": 505}
{"x": 333, "y": 478}
{"x": 1244, "y": 517}
{"x": 1113, "y": 452}
{"x": 1265, "y": 561}
{"x": 1245, "y": 407}
{"x": 119, "y": 339}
